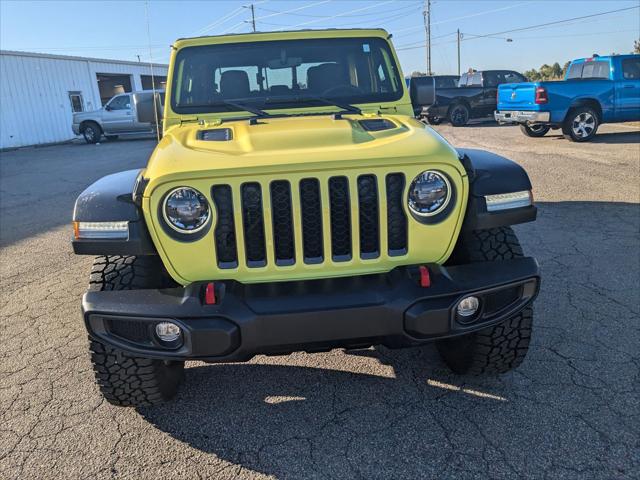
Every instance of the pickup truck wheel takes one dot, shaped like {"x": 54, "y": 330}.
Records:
{"x": 459, "y": 115}
{"x": 92, "y": 132}
{"x": 534, "y": 130}
{"x": 581, "y": 124}
{"x": 499, "y": 348}
{"x": 126, "y": 380}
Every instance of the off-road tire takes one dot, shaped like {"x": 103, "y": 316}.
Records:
{"x": 91, "y": 132}
{"x": 459, "y": 115}
{"x": 534, "y": 131}
{"x": 126, "y": 380}
{"x": 499, "y": 348}
{"x": 567, "y": 126}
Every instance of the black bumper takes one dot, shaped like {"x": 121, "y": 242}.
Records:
{"x": 277, "y": 318}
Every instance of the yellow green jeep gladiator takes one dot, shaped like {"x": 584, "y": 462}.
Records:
{"x": 295, "y": 204}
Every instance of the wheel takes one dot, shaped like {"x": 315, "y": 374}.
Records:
{"x": 111, "y": 138}
{"x": 434, "y": 120}
{"x": 459, "y": 115}
{"x": 499, "y": 348}
{"x": 534, "y": 130}
{"x": 581, "y": 124}
{"x": 92, "y": 132}
{"x": 126, "y": 380}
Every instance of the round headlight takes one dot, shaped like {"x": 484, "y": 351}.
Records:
{"x": 429, "y": 193}
{"x": 186, "y": 210}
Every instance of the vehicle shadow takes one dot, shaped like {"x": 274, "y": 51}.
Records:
{"x": 294, "y": 421}
{"x": 618, "y": 137}
{"x": 46, "y": 181}
{"x": 381, "y": 413}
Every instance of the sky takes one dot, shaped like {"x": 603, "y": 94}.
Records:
{"x": 118, "y": 29}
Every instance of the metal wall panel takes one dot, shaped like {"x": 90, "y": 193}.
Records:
{"x": 34, "y": 93}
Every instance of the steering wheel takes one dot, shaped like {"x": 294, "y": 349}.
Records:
{"x": 347, "y": 89}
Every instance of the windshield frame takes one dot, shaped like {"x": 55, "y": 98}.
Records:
{"x": 306, "y": 101}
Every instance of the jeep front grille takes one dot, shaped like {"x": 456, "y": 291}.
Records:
{"x": 351, "y": 220}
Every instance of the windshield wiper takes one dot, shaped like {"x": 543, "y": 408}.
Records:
{"x": 243, "y": 106}
{"x": 346, "y": 107}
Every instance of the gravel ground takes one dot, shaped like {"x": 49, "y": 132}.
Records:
{"x": 568, "y": 412}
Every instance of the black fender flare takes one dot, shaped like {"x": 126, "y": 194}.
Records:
{"x": 110, "y": 199}
{"x": 491, "y": 174}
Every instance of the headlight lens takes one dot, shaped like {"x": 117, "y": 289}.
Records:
{"x": 186, "y": 210}
{"x": 429, "y": 193}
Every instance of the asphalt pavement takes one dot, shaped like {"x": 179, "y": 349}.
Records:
{"x": 572, "y": 409}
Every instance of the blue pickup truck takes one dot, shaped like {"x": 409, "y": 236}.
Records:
{"x": 595, "y": 90}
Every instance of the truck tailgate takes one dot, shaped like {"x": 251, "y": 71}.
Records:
{"x": 516, "y": 96}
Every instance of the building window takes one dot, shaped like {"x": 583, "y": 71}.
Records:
{"x": 77, "y": 104}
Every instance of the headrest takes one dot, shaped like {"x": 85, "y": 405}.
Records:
{"x": 323, "y": 77}
{"x": 234, "y": 84}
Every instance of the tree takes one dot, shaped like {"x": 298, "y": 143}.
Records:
{"x": 556, "y": 70}
{"x": 418, "y": 74}
{"x": 636, "y": 46}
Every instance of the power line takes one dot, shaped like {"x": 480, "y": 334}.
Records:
{"x": 531, "y": 27}
{"x": 290, "y": 12}
{"x": 477, "y": 14}
{"x": 326, "y": 16}
{"x": 338, "y": 15}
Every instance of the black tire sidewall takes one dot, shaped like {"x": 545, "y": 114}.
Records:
{"x": 529, "y": 132}
{"x": 97, "y": 132}
{"x": 567, "y": 126}
{"x": 462, "y": 108}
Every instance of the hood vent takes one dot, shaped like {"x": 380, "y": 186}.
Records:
{"x": 215, "y": 135}
{"x": 377, "y": 124}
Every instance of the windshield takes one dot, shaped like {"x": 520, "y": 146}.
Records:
{"x": 284, "y": 74}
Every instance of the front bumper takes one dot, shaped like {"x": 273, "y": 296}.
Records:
{"x": 278, "y": 318}
{"x": 519, "y": 116}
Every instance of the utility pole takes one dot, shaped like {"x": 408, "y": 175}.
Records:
{"x": 459, "y": 37}
{"x": 253, "y": 17}
{"x": 426, "y": 14}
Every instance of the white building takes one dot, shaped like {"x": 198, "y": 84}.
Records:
{"x": 39, "y": 92}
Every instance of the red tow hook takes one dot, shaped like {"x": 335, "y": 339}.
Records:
{"x": 210, "y": 294}
{"x": 425, "y": 279}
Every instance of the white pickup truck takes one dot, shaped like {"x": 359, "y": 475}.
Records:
{"x": 125, "y": 114}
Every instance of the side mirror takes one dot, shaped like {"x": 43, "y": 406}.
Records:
{"x": 422, "y": 91}
{"x": 107, "y": 108}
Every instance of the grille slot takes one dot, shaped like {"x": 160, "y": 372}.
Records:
{"x": 311, "y": 213}
{"x": 225, "y": 231}
{"x": 305, "y": 221}
{"x": 369, "y": 218}
{"x": 340, "y": 219}
{"x": 253, "y": 224}
{"x": 282, "y": 222}
{"x": 396, "y": 217}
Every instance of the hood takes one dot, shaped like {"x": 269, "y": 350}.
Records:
{"x": 77, "y": 117}
{"x": 295, "y": 144}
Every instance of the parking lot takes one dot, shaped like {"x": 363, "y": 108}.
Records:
{"x": 568, "y": 412}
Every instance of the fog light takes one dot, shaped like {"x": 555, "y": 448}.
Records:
{"x": 168, "y": 332}
{"x": 468, "y": 306}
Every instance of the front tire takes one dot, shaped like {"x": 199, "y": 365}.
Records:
{"x": 434, "y": 120}
{"x": 459, "y": 115}
{"x": 535, "y": 131}
{"x": 92, "y": 132}
{"x": 502, "y": 347}
{"x": 126, "y": 380}
{"x": 581, "y": 124}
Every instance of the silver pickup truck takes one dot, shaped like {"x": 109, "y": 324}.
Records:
{"x": 125, "y": 114}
